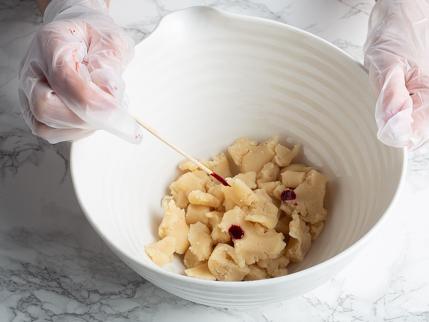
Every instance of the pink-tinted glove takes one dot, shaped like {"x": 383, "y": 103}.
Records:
{"x": 70, "y": 78}
{"x": 397, "y": 56}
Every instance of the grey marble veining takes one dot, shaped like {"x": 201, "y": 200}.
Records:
{"x": 54, "y": 267}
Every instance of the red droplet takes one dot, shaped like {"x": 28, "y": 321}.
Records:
{"x": 288, "y": 195}
{"x": 236, "y": 232}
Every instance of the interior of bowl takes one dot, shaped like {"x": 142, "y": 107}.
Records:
{"x": 203, "y": 79}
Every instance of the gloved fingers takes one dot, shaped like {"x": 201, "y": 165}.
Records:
{"x": 48, "y": 108}
{"x": 393, "y": 110}
{"x": 70, "y": 79}
{"x": 52, "y": 135}
{"x": 110, "y": 51}
{"x": 402, "y": 110}
{"x": 93, "y": 105}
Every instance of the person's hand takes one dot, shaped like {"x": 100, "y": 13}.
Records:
{"x": 397, "y": 57}
{"x": 70, "y": 78}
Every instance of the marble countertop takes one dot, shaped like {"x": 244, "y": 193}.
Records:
{"x": 54, "y": 267}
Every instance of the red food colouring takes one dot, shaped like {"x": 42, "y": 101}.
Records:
{"x": 77, "y": 66}
{"x": 220, "y": 179}
{"x": 236, "y": 232}
{"x": 288, "y": 195}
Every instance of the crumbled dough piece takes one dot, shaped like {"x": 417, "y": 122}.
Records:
{"x": 309, "y": 198}
{"x": 240, "y": 148}
{"x": 269, "y": 172}
{"x": 249, "y": 156}
{"x": 277, "y": 192}
{"x": 315, "y": 229}
{"x": 256, "y": 273}
{"x": 249, "y": 178}
{"x": 200, "y": 240}
{"x": 262, "y": 211}
{"x": 280, "y": 272}
{"x": 218, "y": 193}
{"x": 300, "y": 239}
{"x": 188, "y": 165}
{"x": 218, "y": 236}
{"x": 257, "y": 243}
{"x": 296, "y": 167}
{"x": 202, "y": 272}
{"x": 226, "y": 265}
{"x": 188, "y": 182}
{"x": 174, "y": 224}
{"x": 272, "y": 265}
{"x": 161, "y": 252}
{"x": 238, "y": 194}
{"x": 197, "y": 197}
{"x": 284, "y": 156}
{"x": 190, "y": 259}
{"x": 219, "y": 165}
{"x": 268, "y": 186}
{"x": 195, "y": 213}
{"x": 292, "y": 179}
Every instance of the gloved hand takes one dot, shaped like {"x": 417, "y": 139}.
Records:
{"x": 397, "y": 57}
{"x": 70, "y": 78}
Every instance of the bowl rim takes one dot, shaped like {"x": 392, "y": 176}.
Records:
{"x": 244, "y": 284}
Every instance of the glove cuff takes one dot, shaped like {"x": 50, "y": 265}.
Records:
{"x": 56, "y": 7}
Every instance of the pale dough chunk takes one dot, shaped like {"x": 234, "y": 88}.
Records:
{"x": 309, "y": 198}
{"x": 219, "y": 165}
{"x": 279, "y": 272}
{"x": 200, "y": 240}
{"x": 196, "y": 213}
{"x": 262, "y": 211}
{"x": 218, "y": 193}
{"x": 217, "y": 235}
{"x": 249, "y": 178}
{"x": 256, "y": 273}
{"x": 190, "y": 259}
{"x": 186, "y": 183}
{"x": 248, "y": 155}
{"x": 161, "y": 252}
{"x": 269, "y": 172}
{"x": 240, "y": 148}
{"x": 296, "y": 167}
{"x": 315, "y": 229}
{"x": 277, "y": 192}
{"x": 188, "y": 165}
{"x": 174, "y": 224}
{"x": 292, "y": 179}
{"x": 226, "y": 265}
{"x": 257, "y": 242}
{"x": 238, "y": 194}
{"x": 202, "y": 272}
{"x": 284, "y": 156}
{"x": 197, "y": 197}
{"x": 268, "y": 186}
{"x": 300, "y": 239}
{"x": 272, "y": 265}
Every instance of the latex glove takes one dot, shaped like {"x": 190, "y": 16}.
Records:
{"x": 397, "y": 57}
{"x": 70, "y": 78}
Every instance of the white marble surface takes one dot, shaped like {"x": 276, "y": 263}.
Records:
{"x": 53, "y": 266}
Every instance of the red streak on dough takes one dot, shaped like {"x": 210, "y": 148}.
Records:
{"x": 220, "y": 179}
{"x": 77, "y": 66}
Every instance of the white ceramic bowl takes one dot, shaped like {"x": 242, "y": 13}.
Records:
{"x": 205, "y": 78}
